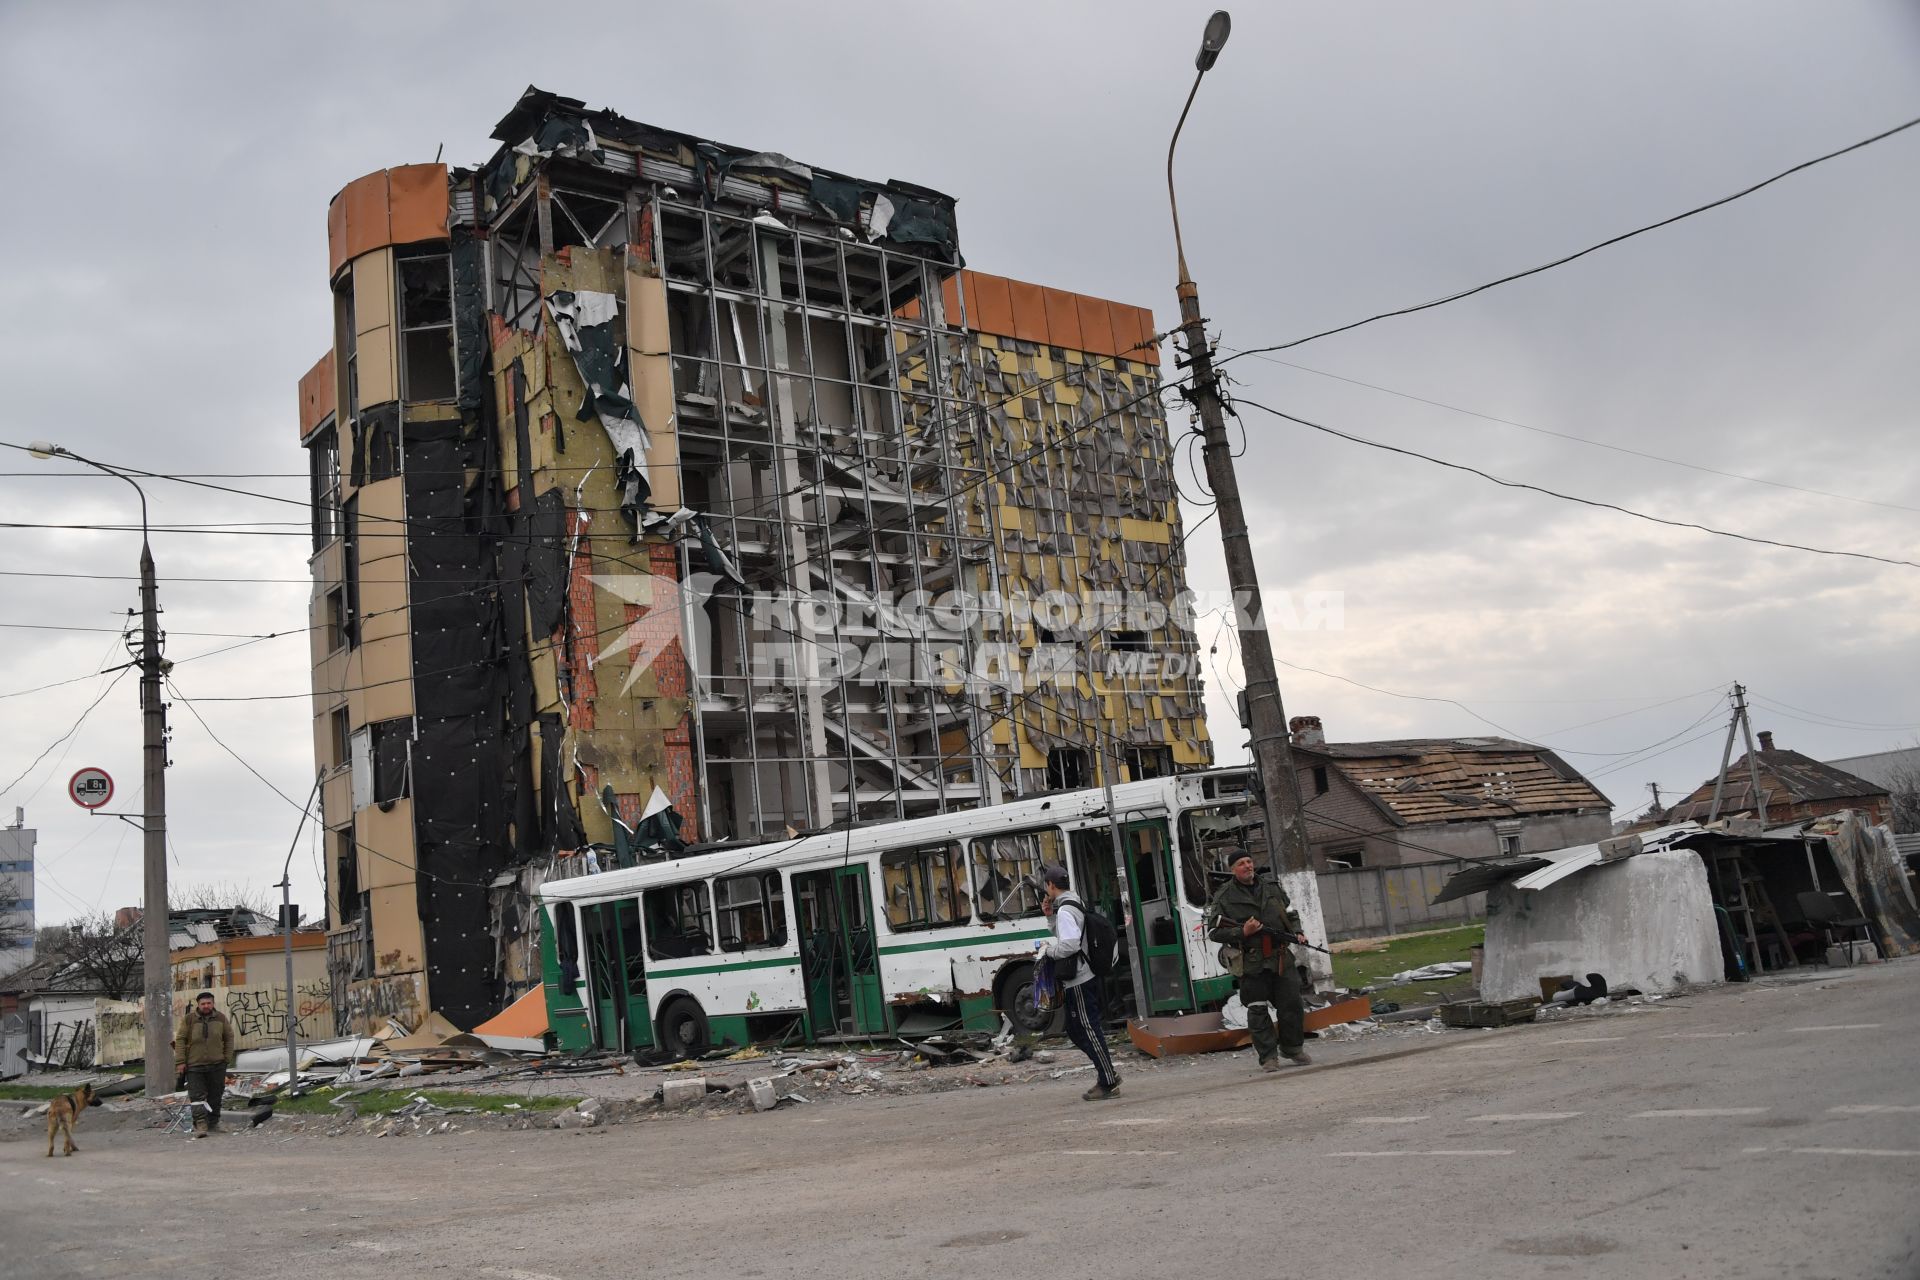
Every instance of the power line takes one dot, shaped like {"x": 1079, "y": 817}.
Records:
{"x": 1860, "y": 724}
{"x": 1567, "y": 497}
{"x": 1593, "y": 248}
{"x": 1596, "y": 444}
{"x": 69, "y": 733}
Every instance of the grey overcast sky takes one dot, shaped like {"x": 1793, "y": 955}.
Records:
{"x": 168, "y": 193}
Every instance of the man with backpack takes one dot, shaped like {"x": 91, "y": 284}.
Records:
{"x": 1077, "y": 956}
{"x": 1256, "y": 925}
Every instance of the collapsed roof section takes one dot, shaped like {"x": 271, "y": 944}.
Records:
{"x": 542, "y": 126}
{"x": 1420, "y": 780}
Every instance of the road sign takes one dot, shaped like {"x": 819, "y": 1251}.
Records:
{"x": 90, "y": 788}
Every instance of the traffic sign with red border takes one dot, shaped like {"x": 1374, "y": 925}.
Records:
{"x": 90, "y": 788}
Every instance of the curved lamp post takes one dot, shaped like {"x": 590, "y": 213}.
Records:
{"x": 156, "y": 960}
{"x": 1267, "y": 718}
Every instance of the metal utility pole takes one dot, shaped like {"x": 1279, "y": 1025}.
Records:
{"x": 1272, "y": 751}
{"x": 286, "y": 932}
{"x": 158, "y": 969}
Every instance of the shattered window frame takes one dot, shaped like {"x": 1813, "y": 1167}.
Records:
{"x": 678, "y": 905}
{"x": 1203, "y": 860}
{"x": 424, "y": 299}
{"x": 1016, "y": 858}
{"x": 911, "y": 876}
{"x": 350, "y": 568}
{"x": 768, "y": 900}
{"x": 323, "y": 483}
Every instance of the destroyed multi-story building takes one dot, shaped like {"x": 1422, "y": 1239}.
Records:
{"x": 666, "y": 492}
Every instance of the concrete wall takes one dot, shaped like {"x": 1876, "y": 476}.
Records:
{"x": 1482, "y": 839}
{"x": 1370, "y": 902}
{"x": 1645, "y": 922}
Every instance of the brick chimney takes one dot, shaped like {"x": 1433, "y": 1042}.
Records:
{"x": 1307, "y": 732}
{"x": 1766, "y": 739}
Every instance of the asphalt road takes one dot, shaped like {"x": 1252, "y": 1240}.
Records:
{"x": 1752, "y": 1131}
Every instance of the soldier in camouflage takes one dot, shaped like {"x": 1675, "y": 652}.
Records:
{"x": 1255, "y": 924}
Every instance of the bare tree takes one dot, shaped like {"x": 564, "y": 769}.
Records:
{"x": 222, "y": 895}
{"x": 1906, "y": 799}
{"x": 109, "y": 958}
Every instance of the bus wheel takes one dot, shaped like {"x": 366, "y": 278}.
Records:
{"x": 1016, "y": 1001}
{"x": 683, "y": 1028}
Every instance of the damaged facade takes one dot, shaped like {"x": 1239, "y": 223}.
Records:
{"x": 668, "y": 493}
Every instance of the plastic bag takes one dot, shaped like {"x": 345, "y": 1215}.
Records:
{"x": 1046, "y": 987}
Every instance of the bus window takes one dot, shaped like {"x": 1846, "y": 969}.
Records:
{"x": 753, "y": 911}
{"x": 677, "y": 921}
{"x": 566, "y": 946}
{"x": 1006, "y": 871}
{"x": 1208, "y": 837}
{"x": 924, "y": 888}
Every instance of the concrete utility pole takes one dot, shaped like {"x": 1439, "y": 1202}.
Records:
{"x": 1742, "y": 725}
{"x": 1272, "y": 751}
{"x": 153, "y": 910}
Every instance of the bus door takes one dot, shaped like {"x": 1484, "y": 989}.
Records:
{"x": 838, "y": 957}
{"x": 616, "y": 975}
{"x": 1151, "y": 888}
{"x": 1096, "y": 878}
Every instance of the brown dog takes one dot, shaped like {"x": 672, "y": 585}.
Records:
{"x": 63, "y": 1111}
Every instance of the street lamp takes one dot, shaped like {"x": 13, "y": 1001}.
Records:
{"x": 153, "y": 916}
{"x": 1267, "y": 718}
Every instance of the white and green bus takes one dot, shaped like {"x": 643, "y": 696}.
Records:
{"x": 864, "y": 932}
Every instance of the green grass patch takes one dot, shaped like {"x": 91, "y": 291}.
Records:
{"x": 34, "y": 1092}
{"x": 378, "y": 1102}
{"x": 1369, "y": 968}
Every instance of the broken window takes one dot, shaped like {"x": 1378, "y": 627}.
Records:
{"x": 381, "y": 758}
{"x": 336, "y": 623}
{"x": 1067, "y": 769}
{"x": 426, "y": 327}
{"x": 1321, "y": 783}
{"x": 346, "y": 341}
{"x": 323, "y": 465}
{"x": 350, "y": 571}
{"x": 1149, "y": 762}
{"x": 1210, "y": 839}
{"x": 753, "y": 911}
{"x": 346, "y": 873}
{"x": 925, "y": 888}
{"x": 1352, "y": 854}
{"x": 1006, "y": 871}
{"x": 341, "y": 734}
{"x": 592, "y": 221}
{"x": 1128, "y": 642}
{"x": 566, "y": 946}
{"x": 678, "y": 921}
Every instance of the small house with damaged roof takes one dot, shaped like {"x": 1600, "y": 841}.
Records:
{"x": 1387, "y": 803}
{"x": 1793, "y": 788}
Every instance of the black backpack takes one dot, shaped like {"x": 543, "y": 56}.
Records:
{"x": 1099, "y": 941}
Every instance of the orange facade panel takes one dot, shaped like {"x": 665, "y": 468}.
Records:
{"x": 1055, "y": 317}
{"x": 1096, "y": 325}
{"x": 317, "y": 395}
{"x": 1029, "y": 311}
{"x": 367, "y": 226}
{"x": 989, "y": 304}
{"x": 417, "y": 203}
{"x": 1063, "y": 321}
{"x": 387, "y": 207}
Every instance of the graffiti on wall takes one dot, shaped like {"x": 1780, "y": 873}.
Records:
{"x": 259, "y": 1013}
{"x": 374, "y": 1002}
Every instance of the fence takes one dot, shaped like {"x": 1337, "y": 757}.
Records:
{"x": 1368, "y": 902}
